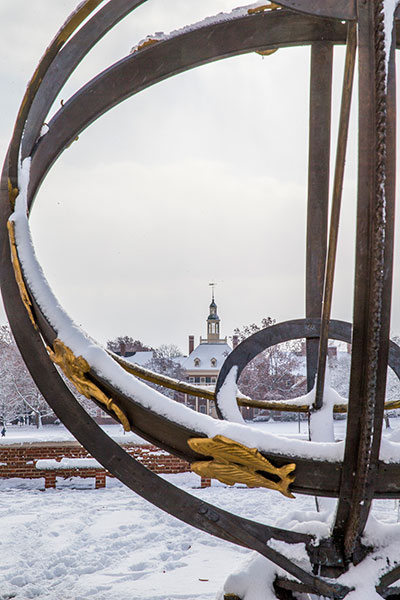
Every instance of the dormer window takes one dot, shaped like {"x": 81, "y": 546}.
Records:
{"x": 213, "y": 362}
{"x": 196, "y": 362}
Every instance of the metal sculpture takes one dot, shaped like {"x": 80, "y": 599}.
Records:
{"x": 40, "y": 329}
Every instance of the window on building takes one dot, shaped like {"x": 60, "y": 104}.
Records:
{"x": 213, "y": 379}
{"x": 208, "y": 379}
{"x": 197, "y": 379}
{"x": 213, "y": 362}
{"x": 190, "y": 402}
{"x": 191, "y": 379}
{"x": 202, "y": 379}
{"x": 202, "y": 409}
{"x": 196, "y": 362}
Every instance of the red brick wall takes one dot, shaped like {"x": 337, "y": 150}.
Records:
{"x": 20, "y": 460}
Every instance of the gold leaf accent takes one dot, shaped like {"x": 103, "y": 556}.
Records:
{"x": 148, "y": 42}
{"x": 267, "y": 52}
{"x": 12, "y": 193}
{"x": 76, "y": 369}
{"x": 18, "y": 272}
{"x": 72, "y": 141}
{"x": 235, "y": 463}
{"x": 258, "y": 9}
{"x": 84, "y": 10}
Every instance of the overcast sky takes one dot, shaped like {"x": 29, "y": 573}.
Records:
{"x": 200, "y": 178}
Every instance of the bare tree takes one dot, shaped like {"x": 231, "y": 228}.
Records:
{"x": 10, "y": 405}
{"x": 339, "y": 373}
{"x": 20, "y": 399}
{"x": 126, "y": 343}
{"x": 272, "y": 374}
{"x": 165, "y": 362}
{"x": 167, "y": 351}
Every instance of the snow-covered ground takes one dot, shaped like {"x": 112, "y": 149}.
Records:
{"x": 78, "y": 543}
{"x": 16, "y": 434}
{"x": 75, "y": 542}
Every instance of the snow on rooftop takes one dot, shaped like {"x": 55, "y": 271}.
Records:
{"x": 179, "y": 360}
{"x": 205, "y": 353}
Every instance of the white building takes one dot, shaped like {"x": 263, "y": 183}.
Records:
{"x": 204, "y": 362}
{"x": 201, "y": 366}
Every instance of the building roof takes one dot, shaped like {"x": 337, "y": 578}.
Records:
{"x": 205, "y": 353}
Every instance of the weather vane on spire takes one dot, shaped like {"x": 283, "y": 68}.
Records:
{"x": 212, "y": 284}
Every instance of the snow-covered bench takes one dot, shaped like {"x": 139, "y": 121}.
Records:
{"x": 71, "y": 467}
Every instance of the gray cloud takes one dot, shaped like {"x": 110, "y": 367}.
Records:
{"x": 198, "y": 178}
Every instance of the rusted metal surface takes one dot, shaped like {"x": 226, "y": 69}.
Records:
{"x": 362, "y": 476}
{"x": 66, "y": 61}
{"x": 335, "y": 211}
{"x": 115, "y": 459}
{"x": 387, "y": 580}
{"x": 66, "y": 31}
{"x": 284, "y": 332}
{"x": 373, "y": 281}
{"x": 165, "y": 59}
{"x": 277, "y": 334}
{"x": 344, "y": 10}
{"x": 318, "y": 189}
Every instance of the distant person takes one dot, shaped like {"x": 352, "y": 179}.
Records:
{"x": 3, "y": 432}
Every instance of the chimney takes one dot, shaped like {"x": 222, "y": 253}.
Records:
{"x": 235, "y": 341}
{"x": 191, "y": 343}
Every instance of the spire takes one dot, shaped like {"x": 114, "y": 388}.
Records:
{"x": 213, "y": 319}
{"x": 212, "y": 284}
{"x": 213, "y": 322}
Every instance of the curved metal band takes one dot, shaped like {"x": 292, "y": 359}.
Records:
{"x": 334, "y": 9}
{"x": 153, "y": 488}
{"x": 344, "y": 10}
{"x": 92, "y": 101}
{"x": 211, "y": 520}
{"x": 66, "y": 31}
{"x": 276, "y": 334}
{"x": 65, "y": 62}
{"x": 221, "y": 38}
{"x": 164, "y": 59}
{"x": 135, "y": 73}
{"x": 285, "y": 332}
